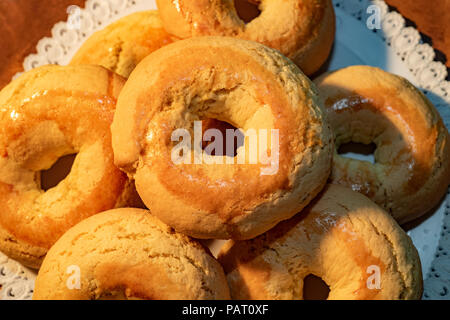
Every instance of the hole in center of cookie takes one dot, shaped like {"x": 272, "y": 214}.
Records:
{"x": 224, "y": 147}
{"x": 314, "y": 288}
{"x": 247, "y": 10}
{"x": 358, "y": 151}
{"x": 58, "y": 172}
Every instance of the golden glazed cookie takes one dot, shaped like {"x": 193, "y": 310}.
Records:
{"x": 303, "y": 30}
{"x": 123, "y": 44}
{"x": 243, "y": 83}
{"x": 128, "y": 254}
{"x": 411, "y": 172}
{"x": 45, "y": 114}
{"x": 341, "y": 237}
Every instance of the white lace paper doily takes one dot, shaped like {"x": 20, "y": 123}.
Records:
{"x": 400, "y": 50}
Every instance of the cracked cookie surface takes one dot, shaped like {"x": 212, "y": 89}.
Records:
{"x": 129, "y": 254}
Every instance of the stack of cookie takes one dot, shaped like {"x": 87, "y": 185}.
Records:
{"x": 192, "y": 124}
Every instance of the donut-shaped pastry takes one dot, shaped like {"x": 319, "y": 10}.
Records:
{"x": 128, "y": 254}
{"x": 123, "y": 44}
{"x": 45, "y": 114}
{"x": 357, "y": 249}
{"x": 303, "y": 30}
{"x": 245, "y": 84}
{"x": 411, "y": 171}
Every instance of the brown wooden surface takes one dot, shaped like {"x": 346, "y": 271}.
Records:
{"x": 24, "y": 22}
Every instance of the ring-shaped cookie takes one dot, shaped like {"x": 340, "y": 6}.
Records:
{"x": 248, "y": 85}
{"x": 128, "y": 254}
{"x": 344, "y": 238}
{"x": 303, "y": 30}
{"x": 123, "y": 44}
{"x": 411, "y": 171}
{"x": 45, "y": 114}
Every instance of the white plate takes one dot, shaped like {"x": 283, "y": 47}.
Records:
{"x": 394, "y": 48}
